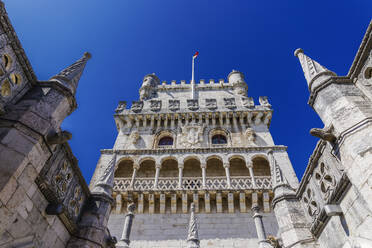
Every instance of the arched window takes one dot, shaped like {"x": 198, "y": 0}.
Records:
{"x": 166, "y": 141}
{"x": 219, "y": 139}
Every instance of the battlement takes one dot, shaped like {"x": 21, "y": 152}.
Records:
{"x": 201, "y": 82}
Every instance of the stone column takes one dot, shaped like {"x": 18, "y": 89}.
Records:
{"x": 118, "y": 203}
{"x": 227, "y": 170}
{"x": 157, "y": 176}
{"x": 204, "y": 174}
{"x": 135, "y": 168}
{"x": 128, "y": 221}
{"x": 250, "y": 168}
{"x": 261, "y": 234}
{"x": 94, "y": 217}
{"x": 180, "y": 175}
{"x": 193, "y": 235}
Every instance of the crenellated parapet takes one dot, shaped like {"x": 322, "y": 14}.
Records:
{"x": 193, "y": 105}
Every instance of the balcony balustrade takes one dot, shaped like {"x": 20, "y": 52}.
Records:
{"x": 193, "y": 183}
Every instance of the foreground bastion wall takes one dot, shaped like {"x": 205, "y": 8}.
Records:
{"x": 215, "y": 229}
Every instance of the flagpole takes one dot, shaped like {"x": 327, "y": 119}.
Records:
{"x": 192, "y": 80}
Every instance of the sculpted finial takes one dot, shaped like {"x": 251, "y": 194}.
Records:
{"x": 298, "y": 51}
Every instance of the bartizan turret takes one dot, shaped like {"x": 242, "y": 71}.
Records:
{"x": 236, "y": 79}
{"x": 149, "y": 85}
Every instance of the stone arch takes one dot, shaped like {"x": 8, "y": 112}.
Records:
{"x": 146, "y": 168}
{"x": 142, "y": 159}
{"x": 124, "y": 168}
{"x": 191, "y": 157}
{"x": 236, "y": 156}
{"x": 219, "y": 131}
{"x": 191, "y": 167}
{"x": 261, "y": 166}
{"x": 238, "y": 166}
{"x": 169, "y": 167}
{"x": 162, "y": 134}
{"x": 215, "y": 166}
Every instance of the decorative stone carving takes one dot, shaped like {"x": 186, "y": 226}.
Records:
{"x": 174, "y": 105}
{"x": 191, "y": 136}
{"x": 324, "y": 134}
{"x": 137, "y": 106}
{"x": 62, "y": 179}
{"x": 325, "y": 180}
{"x": 121, "y": 107}
{"x": 76, "y": 201}
{"x": 368, "y": 73}
{"x": 211, "y": 104}
{"x": 155, "y": 105}
{"x": 193, "y": 104}
{"x": 230, "y": 103}
{"x": 247, "y": 102}
{"x": 250, "y": 135}
{"x": 264, "y": 101}
{"x": 133, "y": 137}
{"x": 311, "y": 206}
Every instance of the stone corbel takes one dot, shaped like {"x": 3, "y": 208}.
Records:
{"x": 325, "y": 134}
{"x": 257, "y": 119}
{"x": 54, "y": 138}
{"x": 267, "y": 118}
{"x": 333, "y": 210}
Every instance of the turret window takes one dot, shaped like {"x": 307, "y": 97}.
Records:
{"x": 166, "y": 141}
{"x": 219, "y": 139}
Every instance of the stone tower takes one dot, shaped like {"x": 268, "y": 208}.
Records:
{"x": 214, "y": 150}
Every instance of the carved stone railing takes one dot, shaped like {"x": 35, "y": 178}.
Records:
{"x": 324, "y": 183}
{"x": 192, "y": 183}
{"x": 63, "y": 185}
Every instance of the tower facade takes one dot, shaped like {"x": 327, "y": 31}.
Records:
{"x": 212, "y": 148}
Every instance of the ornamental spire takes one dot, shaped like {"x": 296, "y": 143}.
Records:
{"x": 315, "y": 73}
{"x": 193, "y": 236}
{"x": 70, "y": 76}
{"x": 105, "y": 181}
{"x": 278, "y": 178}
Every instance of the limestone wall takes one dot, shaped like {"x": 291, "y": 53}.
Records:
{"x": 22, "y": 215}
{"x": 354, "y": 228}
{"x": 215, "y": 230}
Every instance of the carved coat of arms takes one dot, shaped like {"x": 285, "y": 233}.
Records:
{"x": 191, "y": 136}
{"x": 247, "y": 102}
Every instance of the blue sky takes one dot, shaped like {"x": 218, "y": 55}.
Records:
{"x": 129, "y": 39}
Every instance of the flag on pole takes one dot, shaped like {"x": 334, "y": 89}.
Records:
{"x": 195, "y": 55}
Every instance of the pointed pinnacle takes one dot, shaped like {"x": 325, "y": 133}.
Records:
{"x": 315, "y": 73}
{"x": 70, "y": 76}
